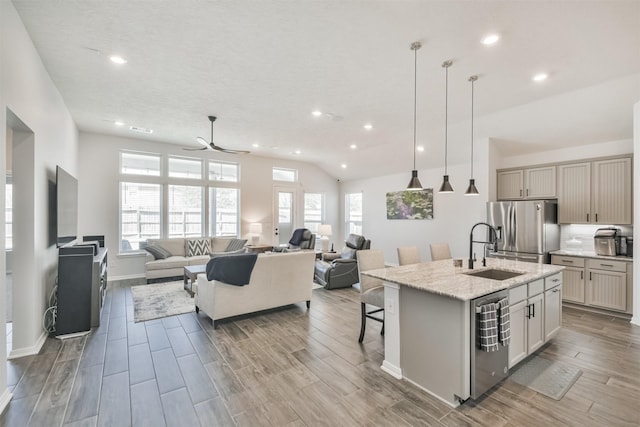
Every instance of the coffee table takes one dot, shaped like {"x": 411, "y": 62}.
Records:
{"x": 191, "y": 275}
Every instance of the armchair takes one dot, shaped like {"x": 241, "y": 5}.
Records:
{"x": 301, "y": 238}
{"x": 341, "y": 270}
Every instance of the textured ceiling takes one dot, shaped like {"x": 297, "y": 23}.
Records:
{"x": 263, "y": 66}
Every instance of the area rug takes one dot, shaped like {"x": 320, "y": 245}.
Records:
{"x": 158, "y": 300}
{"x": 553, "y": 379}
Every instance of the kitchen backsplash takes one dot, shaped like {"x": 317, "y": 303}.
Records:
{"x": 579, "y": 237}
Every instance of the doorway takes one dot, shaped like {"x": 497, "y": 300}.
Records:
{"x": 284, "y": 214}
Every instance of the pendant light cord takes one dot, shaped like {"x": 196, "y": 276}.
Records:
{"x": 446, "y": 113}
{"x": 415, "y": 100}
{"x": 472, "y": 79}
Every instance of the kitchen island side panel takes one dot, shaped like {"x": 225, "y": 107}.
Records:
{"x": 435, "y": 343}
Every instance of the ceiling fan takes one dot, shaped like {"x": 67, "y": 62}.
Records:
{"x": 211, "y": 146}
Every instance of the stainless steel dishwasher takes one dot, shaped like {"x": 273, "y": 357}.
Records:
{"x": 487, "y": 368}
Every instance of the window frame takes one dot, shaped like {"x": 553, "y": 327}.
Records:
{"x": 222, "y": 162}
{"x": 322, "y": 210}
{"x": 281, "y": 169}
{"x": 212, "y": 223}
{"x": 140, "y": 153}
{"x": 184, "y": 158}
{"x": 347, "y": 217}
{"x": 120, "y": 214}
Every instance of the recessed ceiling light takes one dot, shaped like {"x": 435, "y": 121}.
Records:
{"x": 255, "y": 145}
{"x": 540, "y": 77}
{"x": 490, "y": 39}
{"x": 353, "y": 146}
{"x": 368, "y": 126}
{"x": 139, "y": 129}
{"x": 420, "y": 148}
{"x": 297, "y": 152}
{"x": 118, "y": 123}
{"x": 117, "y": 59}
{"x": 316, "y": 113}
{"x": 344, "y": 165}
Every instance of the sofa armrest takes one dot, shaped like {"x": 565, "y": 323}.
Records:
{"x": 149, "y": 258}
{"x": 344, "y": 261}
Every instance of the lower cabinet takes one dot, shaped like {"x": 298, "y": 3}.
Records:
{"x": 535, "y": 315}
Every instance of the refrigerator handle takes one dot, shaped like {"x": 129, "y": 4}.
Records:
{"x": 513, "y": 227}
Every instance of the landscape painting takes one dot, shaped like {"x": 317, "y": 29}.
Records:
{"x": 409, "y": 204}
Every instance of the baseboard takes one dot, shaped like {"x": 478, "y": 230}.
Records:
{"x": 125, "y": 277}
{"x": 392, "y": 370}
{"x": 5, "y": 398}
{"x": 28, "y": 351}
{"x": 635, "y": 320}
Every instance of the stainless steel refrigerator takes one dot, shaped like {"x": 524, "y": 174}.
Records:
{"x": 527, "y": 230}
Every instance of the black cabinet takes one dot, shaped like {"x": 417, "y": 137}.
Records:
{"x": 82, "y": 283}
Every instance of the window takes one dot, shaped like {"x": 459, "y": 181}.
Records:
{"x": 313, "y": 211}
{"x": 224, "y": 211}
{"x": 223, "y": 171}
{"x": 289, "y": 175}
{"x": 185, "y": 211}
{"x": 353, "y": 213}
{"x": 8, "y": 214}
{"x": 139, "y": 164}
{"x": 180, "y": 167}
{"x": 139, "y": 214}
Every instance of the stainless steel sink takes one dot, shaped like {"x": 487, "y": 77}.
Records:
{"x": 495, "y": 274}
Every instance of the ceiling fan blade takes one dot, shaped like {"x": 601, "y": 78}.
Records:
{"x": 197, "y": 149}
{"x": 229, "y": 151}
{"x": 203, "y": 142}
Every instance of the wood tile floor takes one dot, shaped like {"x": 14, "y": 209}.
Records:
{"x": 295, "y": 367}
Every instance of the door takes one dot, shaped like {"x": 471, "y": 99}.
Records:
{"x": 527, "y": 225}
{"x": 574, "y": 193}
{"x": 552, "y": 312}
{"x": 284, "y": 214}
{"x": 573, "y": 282}
{"x": 510, "y": 185}
{"x": 540, "y": 183}
{"x": 535, "y": 323}
{"x": 518, "y": 325}
{"x": 608, "y": 289}
{"x": 612, "y": 197}
{"x": 498, "y": 215}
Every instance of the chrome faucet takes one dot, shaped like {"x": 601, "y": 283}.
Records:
{"x": 493, "y": 240}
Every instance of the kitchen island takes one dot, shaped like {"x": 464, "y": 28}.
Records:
{"x": 428, "y": 339}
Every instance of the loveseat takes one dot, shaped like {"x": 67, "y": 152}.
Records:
{"x": 170, "y": 256}
{"x": 277, "y": 279}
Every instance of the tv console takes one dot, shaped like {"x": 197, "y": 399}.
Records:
{"x": 82, "y": 284}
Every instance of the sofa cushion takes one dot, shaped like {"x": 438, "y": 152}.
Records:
{"x": 197, "y": 247}
{"x": 198, "y": 260}
{"x": 157, "y": 251}
{"x": 236, "y": 245}
{"x": 175, "y": 246}
{"x": 219, "y": 244}
{"x": 171, "y": 262}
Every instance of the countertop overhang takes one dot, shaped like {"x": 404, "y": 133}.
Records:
{"x": 442, "y": 278}
{"x": 590, "y": 254}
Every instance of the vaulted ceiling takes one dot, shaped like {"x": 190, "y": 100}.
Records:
{"x": 262, "y": 67}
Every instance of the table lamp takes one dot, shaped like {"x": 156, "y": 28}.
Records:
{"x": 324, "y": 230}
{"x": 255, "y": 229}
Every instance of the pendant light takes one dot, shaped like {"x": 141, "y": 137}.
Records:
{"x": 472, "y": 190}
{"x": 414, "y": 183}
{"x": 446, "y": 186}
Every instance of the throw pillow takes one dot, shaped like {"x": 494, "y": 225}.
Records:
{"x": 236, "y": 245}
{"x": 197, "y": 247}
{"x": 157, "y": 251}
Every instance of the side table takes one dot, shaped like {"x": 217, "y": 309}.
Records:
{"x": 191, "y": 275}
{"x": 258, "y": 248}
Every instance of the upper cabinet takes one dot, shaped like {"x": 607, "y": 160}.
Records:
{"x": 596, "y": 192}
{"x": 532, "y": 183}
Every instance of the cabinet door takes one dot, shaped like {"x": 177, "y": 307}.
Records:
{"x": 573, "y": 285}
{"x": 607, "y": 289}
{"x": 552, "y": 312}
{"x": 611, "y": 187}
{"x": 518, "y": 326}
{"x": 540, "y": 183}
{"x": 510, "y": 185}
{"x": 574, "y": 193}
{"x": 535, "y": 323}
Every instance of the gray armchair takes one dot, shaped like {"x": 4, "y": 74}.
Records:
{"x": 301, "y": 238}
{"x": 341, "y": 270}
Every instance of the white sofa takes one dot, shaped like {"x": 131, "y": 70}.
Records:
{"x": 277, "y": 279}
{"x": 173, "y": 266}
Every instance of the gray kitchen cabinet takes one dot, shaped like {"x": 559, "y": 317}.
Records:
{"x": 597, "y": 192}
{"x": 526, "y": 315}
{"x": 572, "y": 278}
{"x": 552, "y": 305}
{"x": 607, "y": 284}
{"x": 531, "y": 183}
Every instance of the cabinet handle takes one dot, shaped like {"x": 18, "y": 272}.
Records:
{"x": 527, "y": 192}
{"x": 533, "y": 306}
{"x": 555, "y": 280}
{"x": 567, "y": 261}
{"x": 606, "y": 265}
{"x": 555, "y": 290}
{"x": 521, "y": 193}
{"x": 528, "y": 311}
{"x": 587, "y": 217}
{"x": 582, "y": 275}
{"x": 596, "y": 217}
{"x": 589, "y": 275}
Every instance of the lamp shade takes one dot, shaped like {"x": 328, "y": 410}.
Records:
{"x": 472, "y": 190}
{"x": 325, "y": 230}
{"x": 414, "y": 184}
{"x": 255, "y": 228}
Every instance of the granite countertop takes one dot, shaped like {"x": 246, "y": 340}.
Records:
{"x": 441, "y": 277}
{"x": 589, "y": 254}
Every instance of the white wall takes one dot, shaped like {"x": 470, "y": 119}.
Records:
{"x": 453, "y": 216}
{"x": 28, "y": 92}
{"x": 99, "y": 191}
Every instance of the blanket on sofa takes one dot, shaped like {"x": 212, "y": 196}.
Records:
{"x": 232, "y": 269}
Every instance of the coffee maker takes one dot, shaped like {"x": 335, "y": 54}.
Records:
{"x": 607, "y": 241}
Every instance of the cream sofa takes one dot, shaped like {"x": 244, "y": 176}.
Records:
{"x": 173, "y": 266}
{"x": 277, "y": 279}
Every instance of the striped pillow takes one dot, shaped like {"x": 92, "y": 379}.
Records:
{"x": 197, "y": 247}
{"x": 235, "y": 245}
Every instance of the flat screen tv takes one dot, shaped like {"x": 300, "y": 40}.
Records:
{"x": 66, "y": 207}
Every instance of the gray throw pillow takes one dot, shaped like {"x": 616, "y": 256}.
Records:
{"x": 157, "y": 251}
{"x": 236, "y": 245}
